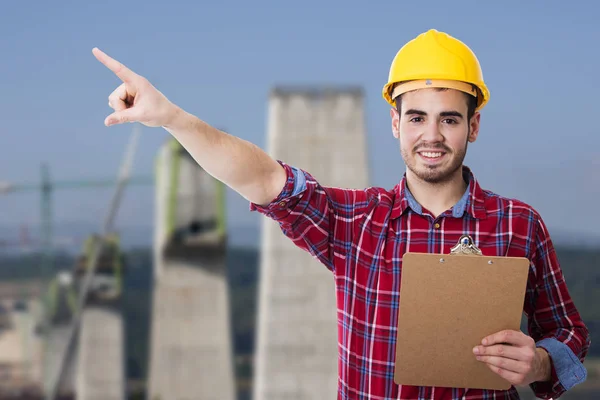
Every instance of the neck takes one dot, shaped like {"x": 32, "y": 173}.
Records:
{"x": 437, "y": 197}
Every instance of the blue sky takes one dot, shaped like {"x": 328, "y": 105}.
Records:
{"x": 539, "y": 137}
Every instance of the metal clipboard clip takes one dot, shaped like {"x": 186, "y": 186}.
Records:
{"x": 465, "y": 245}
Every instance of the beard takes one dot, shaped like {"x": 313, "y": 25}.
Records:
{"x": 435, "y": 174}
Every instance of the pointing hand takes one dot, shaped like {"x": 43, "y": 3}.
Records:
{"x": 135, "y": 100}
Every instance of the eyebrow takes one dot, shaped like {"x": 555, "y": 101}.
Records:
{"x": 414, "y": 111}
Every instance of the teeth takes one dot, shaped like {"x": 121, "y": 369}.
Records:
{"x": 431, "y": 155}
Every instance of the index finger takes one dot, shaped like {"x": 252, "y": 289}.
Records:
{"x": 124, "y": 73}
{"x": 505, "y": 336}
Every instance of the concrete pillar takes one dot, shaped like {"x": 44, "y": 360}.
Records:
{"x": 191, "y": 339}
{"x": 101, "y": 341}
{"x": 322, "y": 131}
{"x": 100, "y": 364}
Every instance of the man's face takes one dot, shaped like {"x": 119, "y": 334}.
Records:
{"x": 433, "y": 131}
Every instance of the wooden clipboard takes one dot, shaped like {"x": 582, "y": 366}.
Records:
{"x": 448, "y": 304}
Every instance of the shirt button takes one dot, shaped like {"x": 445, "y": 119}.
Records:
{"x": 437, "y": 226}
{"x": 282, "y": 203}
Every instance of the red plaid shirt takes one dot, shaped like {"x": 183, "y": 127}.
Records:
{"x": 361, "y": 235}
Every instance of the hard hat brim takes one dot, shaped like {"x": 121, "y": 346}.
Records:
{"x": 432, "y": 83}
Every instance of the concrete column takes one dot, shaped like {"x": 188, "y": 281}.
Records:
{"x": 100, "y": 364}
{"x": 191, "y": 338}
{"x": 322, "y": 131}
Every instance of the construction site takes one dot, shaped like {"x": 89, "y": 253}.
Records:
{"x": 63, "y": 336}
{"x": 69, "y": 334}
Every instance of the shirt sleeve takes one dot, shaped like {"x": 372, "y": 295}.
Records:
{"x": 554, "y": 321}
{"x": 318, "y": 219}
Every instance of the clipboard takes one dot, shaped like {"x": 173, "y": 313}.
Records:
{"x": 448, "y": 304}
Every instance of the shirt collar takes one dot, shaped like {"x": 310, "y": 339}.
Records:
{"x": 472, "y": 201}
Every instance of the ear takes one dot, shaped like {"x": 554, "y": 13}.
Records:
{"x": 395, "y": 122}
{"x": 474, "y": 125}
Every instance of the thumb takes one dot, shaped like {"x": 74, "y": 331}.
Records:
{"x": 120, "y": 117}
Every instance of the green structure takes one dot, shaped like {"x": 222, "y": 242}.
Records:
{"x": 95, "y": 367}
{"x": 191, "y": 340}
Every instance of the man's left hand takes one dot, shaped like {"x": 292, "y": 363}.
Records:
{"x": 514, "y": 356}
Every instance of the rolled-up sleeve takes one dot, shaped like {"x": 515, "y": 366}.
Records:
{"x": 318, "y": 219}
{"x": 280, "y": 208}
{"x": 554, "y": 321}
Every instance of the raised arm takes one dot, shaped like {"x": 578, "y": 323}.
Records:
{"x": 239, "y": 164}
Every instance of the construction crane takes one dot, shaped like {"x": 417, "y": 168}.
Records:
{"x": 46, "y": 188}
{"x": 96, "y": 249}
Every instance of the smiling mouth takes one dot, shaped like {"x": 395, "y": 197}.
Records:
{"x": 432, "y": 155}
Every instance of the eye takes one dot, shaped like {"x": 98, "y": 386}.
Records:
{"x": 449, "y": 121}
{"x": 416, "y": 119}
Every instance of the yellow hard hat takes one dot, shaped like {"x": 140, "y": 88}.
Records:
{"x": 436, "y": 59}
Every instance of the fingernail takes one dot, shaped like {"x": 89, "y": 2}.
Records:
{"x": 484, "y": 342}
{"x": 476, "y": 350}
{"x": 478, "y": 358}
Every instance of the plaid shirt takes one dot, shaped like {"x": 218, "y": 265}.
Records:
{"x": 360, "y": 235}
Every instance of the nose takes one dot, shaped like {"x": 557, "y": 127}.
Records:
{"x": 431, "y": 132}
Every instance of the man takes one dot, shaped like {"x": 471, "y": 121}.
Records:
{"x": 436, "y": 91}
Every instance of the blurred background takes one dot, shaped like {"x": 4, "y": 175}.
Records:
{"x": 59, "y": 165}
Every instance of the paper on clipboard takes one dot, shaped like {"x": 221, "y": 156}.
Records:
{"x": 448, "y": 304}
